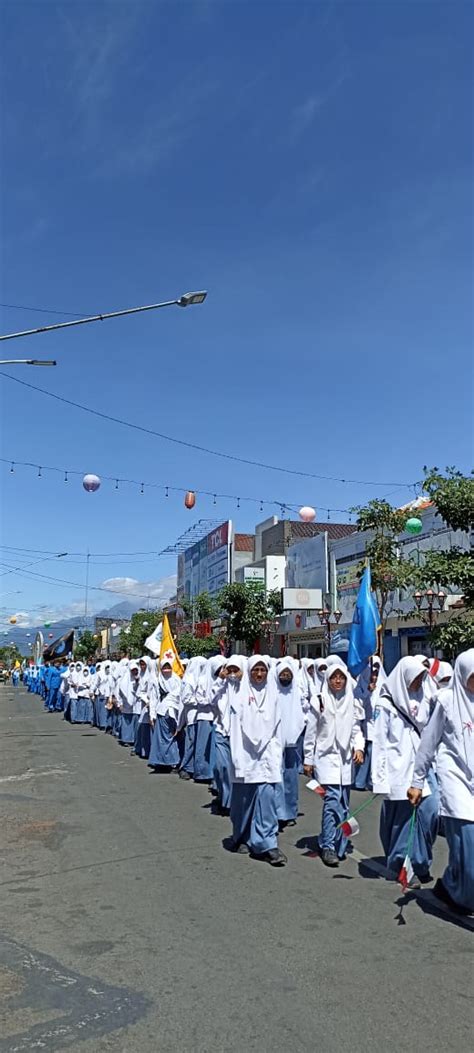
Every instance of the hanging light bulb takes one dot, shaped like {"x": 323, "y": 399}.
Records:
{"x": 167, "y": 493}
{"x": 12, "y": 469}
{"x": 238, "y": 502}
{"x": 215, "y": 500}
{"x": 261, "y": 506}
{"x": 116, "y": 484}
{"x": 39, "y": 473}
{"x": 142, "y": 491}
{"x": 65, "y": 477}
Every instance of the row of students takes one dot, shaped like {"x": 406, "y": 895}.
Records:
{"x": 240, "y": 723}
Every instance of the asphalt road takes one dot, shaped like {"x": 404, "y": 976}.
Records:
{"x": 126, "y": 925}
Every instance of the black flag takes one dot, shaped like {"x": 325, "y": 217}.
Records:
{"x": 60, "y": 648}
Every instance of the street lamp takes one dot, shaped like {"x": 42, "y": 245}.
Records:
{"x": 186, "y": 300}
{"x": 325, "y": 616}
{"x": 430, "y": 603}
{"x": 27, "y": 361}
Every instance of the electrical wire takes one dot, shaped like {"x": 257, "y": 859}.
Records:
{"x": 193, "y": 445}
{"x": 44, "y": 310}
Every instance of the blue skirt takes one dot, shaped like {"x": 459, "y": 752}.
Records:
{"x": 100, "y": 714}
{"x": 116, "y": 723}
{"x": 335, "y": 811}
{"x": 394, "y": 832}
{"x": 362, "y": 773}
{"x": 222, "y": 769}
{"x": 164, "y": 749}
{"x": 458, "y": 878}
{"x": 203, "y": 751}
{"x": 187, "y": 763}
{"x": 287, "y": 790}
{"x": 142, "y": 742}
{"x": 128, "y": 727}
{"x": 81, "y": 711}
{"x": 254, "y": 817}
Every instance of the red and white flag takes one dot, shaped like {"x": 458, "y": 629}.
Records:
{"x": 406, "y": 874}
{"x": 350, "y": 827}
{"x": 314, "y": 786}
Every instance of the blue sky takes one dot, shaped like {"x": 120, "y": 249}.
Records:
{"x": 307, "y": 163}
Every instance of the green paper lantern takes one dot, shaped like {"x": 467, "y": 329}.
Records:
{"x": 413, "y": 526}
{"x": 47, "y": 625}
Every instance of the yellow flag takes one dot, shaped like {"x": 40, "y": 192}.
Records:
{"x": 168, "y": 652}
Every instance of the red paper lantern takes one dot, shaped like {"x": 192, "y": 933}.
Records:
{"x": 190, "y": 499}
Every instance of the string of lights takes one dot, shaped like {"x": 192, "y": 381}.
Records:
{"x": 195, "y": 446}
{"x": 284, "y": 507}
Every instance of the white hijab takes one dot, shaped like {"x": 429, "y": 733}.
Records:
{"x": 128, "y": 685}
{"x": 260, "y": 708}
{"x": 363, "y": 681}
{"x": 336, "y": 722}
{"x": 443, "y": 671}
{"x": 194, "y": 681}
{"x": 398, "y": 688}
{"x": 463, "y": 700}
{"x": 213, "y": 666}
{"x": 290, "y": 699}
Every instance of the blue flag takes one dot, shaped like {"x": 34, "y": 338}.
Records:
{"x": 365, "y": 623}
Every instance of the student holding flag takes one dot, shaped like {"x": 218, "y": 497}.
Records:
{"x": 449, "y": 737}
{"x": 401, "y": 713}
{"x": 367, "y": 691}
{"x": 333, "y": 740}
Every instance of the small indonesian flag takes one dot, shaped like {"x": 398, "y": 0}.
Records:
{"x": 350, "y": 827}
{"x": 407, "y": 873}
{"x": 315, "y": 787}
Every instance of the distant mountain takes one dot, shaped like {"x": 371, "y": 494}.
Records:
{"x": 22, "y": 637}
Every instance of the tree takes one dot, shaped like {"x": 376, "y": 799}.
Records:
{"x": 453, "y": 495}
{"x": 249, "y": 610}
{"x": 389, "y": 569}
{"x": 191, "y": 645}
{"x": 85, "y": 649}
{"x": 202, "y": 608}
{"x": 9, "y": 654}
{"x": 132, "y": 639}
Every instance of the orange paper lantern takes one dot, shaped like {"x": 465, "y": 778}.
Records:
{"x": 190, "y": 499}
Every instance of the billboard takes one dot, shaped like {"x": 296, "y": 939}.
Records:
{"x": 302, "y": 599}
{"x": 205, "y": 566}
{"x": 307, "y": 564}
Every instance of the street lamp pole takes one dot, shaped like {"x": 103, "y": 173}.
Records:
{"x": 429, "y": 604}
{"x": 26, "y": 361}
{"x": 187, "y": 300}
{"x": 325, "y": 616}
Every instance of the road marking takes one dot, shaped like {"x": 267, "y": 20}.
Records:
{"x": 34, "y": 775}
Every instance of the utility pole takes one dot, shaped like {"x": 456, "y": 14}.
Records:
{"x": 86, "y": 598}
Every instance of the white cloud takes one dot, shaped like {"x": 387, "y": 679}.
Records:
{"x": 131, "y": 588}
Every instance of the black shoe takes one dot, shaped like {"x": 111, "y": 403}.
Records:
{"x": 329, "y": 858}
{"x": 442, "y": 893}
{"x": 185, "y": 775}
{"x": 276, "y": 858}
{"x": 240, "y": 849}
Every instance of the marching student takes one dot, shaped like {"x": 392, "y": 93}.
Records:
{"x": 226, "y": 684}
{"x": 102, "y": 693}
{"x": 164, "y": 712}
{"x": 449, "y": 736}
{"x": 369, "y": 684}
{"x": 192, "y": 695}
{"x": 204, "y": 749}
{"x": 290, "y": 697}
{"x": 256, "y": 754}
{"x": 333, "y": 740}
{"x": 402, "y": 711}
{"x": 80, "y": 695}
{"x": 145, "y": 689}
{"x": 128, "y": 704}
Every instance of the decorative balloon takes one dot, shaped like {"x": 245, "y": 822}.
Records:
{"x": 50, "y": 636}
{"x": 413, "y": 525}
{"x": 190, "y": 499}
{"x": 145, "y": 625}
{"x": 113, "y": 625}
{"x": 13, "y": 619}
{"x": 47, "y": 625}
{"x": 91, "y": 483}
{"x": 307, "y": 514}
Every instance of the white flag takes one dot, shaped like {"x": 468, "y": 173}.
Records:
{"x": 153, "y": 642}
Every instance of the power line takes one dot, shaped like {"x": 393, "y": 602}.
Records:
{"x": 195, "y": 446}
{"x": 74, "y": 584}
{"x": 44, "y": 310}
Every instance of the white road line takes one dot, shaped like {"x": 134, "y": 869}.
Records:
{"x": 34, "y": 775}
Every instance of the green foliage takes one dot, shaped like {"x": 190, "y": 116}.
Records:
{"x": 132, "y": 641}
{"x": 249, "y": 610}
{"x": 203, "y": 606}
{"x": 9, "y": 654}
{"x": 454, "y": 636}
{"x": 452, "y": 570}
{"x": 453, "y": 495}
{"x": 85, "y": 648}
{"x": 192, "y": 645}
{"x": 389, "y": 570}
